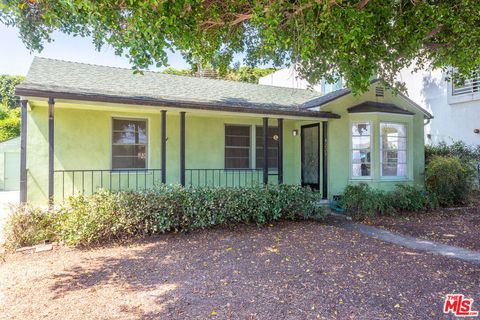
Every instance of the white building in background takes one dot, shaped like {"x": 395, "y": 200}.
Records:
{"x": 456, "y": 110}
{"x": 290, "y": 78}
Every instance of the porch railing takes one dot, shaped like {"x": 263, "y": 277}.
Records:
{"x": 226, "y": 177}
{"x": 86, "y": 182}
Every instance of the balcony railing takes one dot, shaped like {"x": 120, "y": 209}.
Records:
{"x": 226, "y": 177}
{"x": 86, "y": 182}
{"x": 470, "y": 86}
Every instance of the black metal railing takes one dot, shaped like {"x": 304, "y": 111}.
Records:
{"x": 75, "y": 182}
{"x": 86, "y": 182}
{"x": 226, "y": 177}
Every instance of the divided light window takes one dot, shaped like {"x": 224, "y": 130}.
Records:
{"x": 237, "y": 147}
{"x": 393, "y": 150}
{"x": 361, "y": 149}
{"x": 272, "y": 147}
{"x": 129, "y": 144}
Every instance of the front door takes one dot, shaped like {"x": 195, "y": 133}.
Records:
{"x": 310, "y": 153}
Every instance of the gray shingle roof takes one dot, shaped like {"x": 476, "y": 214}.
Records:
{"x": 92, "y": 81}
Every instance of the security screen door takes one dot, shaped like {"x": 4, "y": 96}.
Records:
{"x": 310, "y": 154}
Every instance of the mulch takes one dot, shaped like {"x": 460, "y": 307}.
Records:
{"x": 289, "y": 270}
{"x": 459, "y": 226}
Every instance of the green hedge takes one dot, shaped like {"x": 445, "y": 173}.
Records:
{"x": 107, "y": 216}
{"x": 449, "y": 179}
{"x": 362, "y": 202}
{"x": 459, "y": 149}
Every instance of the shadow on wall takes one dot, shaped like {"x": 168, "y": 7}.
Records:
{"x": 434, "y": 95}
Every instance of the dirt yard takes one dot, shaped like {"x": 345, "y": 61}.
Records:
{"x": 453, "y": 226}
{"x": 303, "y": 270}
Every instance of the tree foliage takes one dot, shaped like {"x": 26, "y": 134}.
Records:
{"x": 9, "y": 107}
{"x": 237, "y": 73}
{"x": 9, "y": 123}
{"x": 247, "y": 74}
{"x": 7, "y": 90}
{"x": 354, "y": 39}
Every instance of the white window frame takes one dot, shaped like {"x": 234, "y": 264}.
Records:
{"x": 462, "y": 97}
{"x": 407, "y": 151}
{"x": 372, "y": 158}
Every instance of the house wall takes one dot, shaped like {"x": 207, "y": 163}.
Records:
{"x": 83, "y": 138}
{"x": 10, "y": 147}
{"x": 455, "y": 118}
{"x": 339, "y": 159}
{"x": 288, "y": 78}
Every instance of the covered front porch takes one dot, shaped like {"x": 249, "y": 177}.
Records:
{"x": 129, "y": 147}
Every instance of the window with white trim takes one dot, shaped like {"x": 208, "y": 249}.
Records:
{"x": 469, "y": 86}
{"x": 129, "y": 144}
{"x": 361, "y": 149}
{"x": 393, "y": 150}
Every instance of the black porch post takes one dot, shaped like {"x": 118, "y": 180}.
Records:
{"x": 265, "y": 150}
{"x": 23, "y": 153}
{"x": 324, "y": 160}
{"x": 51, "y": 104}
{"x": 163, "y": 140}
{"x": 280, "y": 151}
{"x": 182, "y": 148}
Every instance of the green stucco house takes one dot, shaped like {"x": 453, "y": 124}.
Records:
{"x": 87, "y": 127}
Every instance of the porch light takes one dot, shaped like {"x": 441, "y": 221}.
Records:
{"x": 295, "y": 132}
{"x": 275, "y": 137}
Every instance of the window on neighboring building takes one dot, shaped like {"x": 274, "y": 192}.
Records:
{"x": 129, "y": 144}
{"x": 361, "y": 149}
{"x": 471, "y": 85}
{"x": 327, "y": 87}
{"x": 237, "y": 147}
{"x": 272, "y": 147}
{"x": 393, "y": 150}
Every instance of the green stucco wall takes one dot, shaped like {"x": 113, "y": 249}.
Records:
{"x": 339, "y": 159}
{"x": 83, "y": 138}
{"x": 83, "y": 141}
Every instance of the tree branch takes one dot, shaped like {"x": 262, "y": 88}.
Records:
{"x": 362, "y": 4}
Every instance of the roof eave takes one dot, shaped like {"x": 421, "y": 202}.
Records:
{"x": 213, "y": 106}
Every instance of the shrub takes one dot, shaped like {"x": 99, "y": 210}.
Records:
{"x": 90, "y": 219}
{"x": 106, "y": 216}
{"x": 409, "y": 198}
{"x": 27, "y": 225}
{"x": 449, "y": 180}
{"x": 469, "y": 156}
{"x": 457, "y": 149}
{"x": 363, "y": 202}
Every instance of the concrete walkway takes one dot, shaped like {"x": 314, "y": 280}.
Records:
{"x": 414, "y": 243}
{"x": 6, "y": 198}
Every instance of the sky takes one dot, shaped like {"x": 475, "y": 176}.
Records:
{"x": 15, "y": 58}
